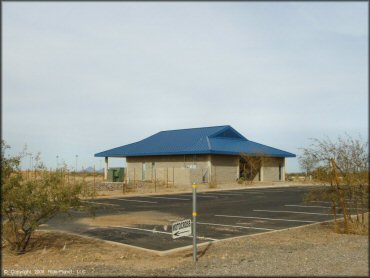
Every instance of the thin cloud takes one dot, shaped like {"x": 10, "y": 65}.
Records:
{"x": 83, "y": 77}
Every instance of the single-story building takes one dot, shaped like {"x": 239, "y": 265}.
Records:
{"x": 216, "y": 154}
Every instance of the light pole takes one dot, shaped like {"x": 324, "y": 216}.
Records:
{"x": 56, "y": 169}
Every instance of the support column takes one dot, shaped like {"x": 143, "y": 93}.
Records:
{"x": 106, "y": 169}
{"x": 209, "y": 168}
{"x": 283, "y": 174}
{"x": 238, "y": 168}
{"x": 261, "y": 170}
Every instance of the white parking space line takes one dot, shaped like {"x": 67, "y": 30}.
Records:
{"x": 302, "y": 206}
{"x": 327, "y": 202}
{"x": 289, "y": 211}
{"x": 253, "y": 192}
{"x": 160, "y": 232}
{"x": 242, "y": 227}
{"x": 107, "y": 204}
{"x": 138, "y": 201}
{"x": 293, "y": 190}
{"x": 262, "y": 191}
{"x": 208, "y": 196}
{"x": 270, "y": 190}
{"x": 146, "y": 230}
{"x": 266, "y": 218}
{"x": 169, "y": 198}
{"x": 316, "y": 206}
{"x": 227, "y": 194}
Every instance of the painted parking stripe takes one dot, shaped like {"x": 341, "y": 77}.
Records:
{"x": 266, "y": 218}
{"x": 289, "y": 211}
{"x": 259, "y": 191}
{"x": 253, "y": 192}
{"x": 169, "y": 198}
{"x": 107, "y": 204}
{"x": 226, "y": 194}
{"x": 302, "y": 206}
{"x": 242, "y": 227}
{"x": 315, "y": 206}
{"x": 160, "y": 232}
{"x": 146, "y": 230}
{"x": 138, "y": 201}
{"x": 291, "y": 190}
{"x": 328, "y": 202}
{"x": 208, "y": 196}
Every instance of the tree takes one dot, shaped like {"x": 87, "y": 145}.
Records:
{"x": 342, "y": 167}
{"x": 250, "y": 165}
{"x": 27, "y": 203}
{"x": 307, "y": 164}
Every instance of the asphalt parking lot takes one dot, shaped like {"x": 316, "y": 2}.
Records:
{"x": 221, "y": 215}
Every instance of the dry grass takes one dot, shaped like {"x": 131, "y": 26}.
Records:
{"x": 354, "y": 227}
{"x": 212, "y": 184}
{"x": 130, "y": 219}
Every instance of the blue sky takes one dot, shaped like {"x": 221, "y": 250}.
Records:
{"x": 80, "y": 78}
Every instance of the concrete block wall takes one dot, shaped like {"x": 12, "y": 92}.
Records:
{"x": 196, "y": 175}
{"x": 225, "y": 168}
{"x": 180, "y": 169}
{"x": 271, "y": 168}
{"x": 257, "y": 177}
{"x": 184, "y": 170}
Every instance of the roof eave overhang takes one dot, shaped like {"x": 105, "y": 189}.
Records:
{"x": 192, "y": 153}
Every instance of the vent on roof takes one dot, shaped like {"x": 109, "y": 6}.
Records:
{"x": 229, "y": 133}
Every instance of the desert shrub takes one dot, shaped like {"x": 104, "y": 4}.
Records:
{"x": 212, "y": 184}
{"x": 342, "y": 168}
{"x": 27, "y": 203}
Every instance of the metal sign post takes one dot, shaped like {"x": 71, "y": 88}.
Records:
{"x": 194, "y": 223}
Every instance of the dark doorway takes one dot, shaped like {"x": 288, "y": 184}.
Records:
{"x": 279, "y": 172}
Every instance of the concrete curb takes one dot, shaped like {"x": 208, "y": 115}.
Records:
{"x": 187, "y": 247}
{"x": 104, "y": 240}
{"x": 169, "y": 252}
{"x": 154, "y": 252}
{"x": 203, "y": 190}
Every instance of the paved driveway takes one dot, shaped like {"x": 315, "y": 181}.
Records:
{"x": 145, "y": 221}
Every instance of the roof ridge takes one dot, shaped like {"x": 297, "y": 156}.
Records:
{"x": 195, "y": 128}
{"x": 208, "y": 143}
{"x": 230, "y": 138}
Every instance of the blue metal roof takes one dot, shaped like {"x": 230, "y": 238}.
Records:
{"x": 205, "y": 140}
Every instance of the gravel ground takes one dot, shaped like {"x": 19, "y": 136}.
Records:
{"x": 313, "y": 250}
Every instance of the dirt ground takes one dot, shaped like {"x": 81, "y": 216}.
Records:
{"x": 130, "y": 219}
{"x": 305, "y": 251}
{"x": 313, "y": 250}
